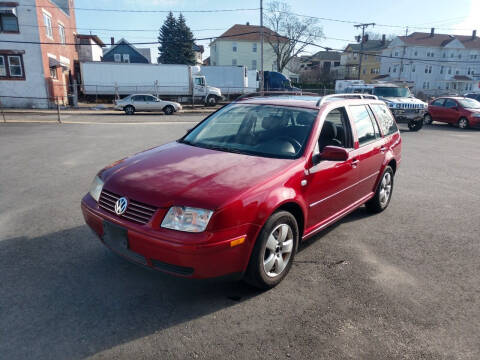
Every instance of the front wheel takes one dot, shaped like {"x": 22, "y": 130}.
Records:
{"x": 168, "y": 110}
{"x": 129, "y": 110}
{"x": 274, "y": 251}
{"x": 415, "y": 125}
{"x": 211, "y": 100}
{"x": 427, "y": 119}
{"x": 463, "y": 123}
{"x": 382, "y": 196}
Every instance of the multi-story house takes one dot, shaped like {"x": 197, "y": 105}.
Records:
{"x": 240, "y": 45}
{"x": 37, "y": 66}
{"x": 89, "y": 47}
{"x": 370, "y": 68}
{"x": 434, "y": 63}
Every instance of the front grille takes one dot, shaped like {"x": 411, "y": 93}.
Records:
{"x": 136, "y": 211}
{"x": 411, "y": 106}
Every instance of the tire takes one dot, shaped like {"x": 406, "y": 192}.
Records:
{"x": 211, "y": 100}
{"x": 415, "y": 125}
{"x": 129, "y": 110}
{"x": 382, "y": 198}
{"x": 427, "y": 119}
{"x": 463, "y": 123}
{"x": 265, "y": 269}
{"x": 168, "y": 110}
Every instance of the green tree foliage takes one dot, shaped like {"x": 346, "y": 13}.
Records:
{"x": 176, "y": 42}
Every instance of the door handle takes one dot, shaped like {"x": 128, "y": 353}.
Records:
{"x": 383, "y": 149}
{"x": 354, "y": 163}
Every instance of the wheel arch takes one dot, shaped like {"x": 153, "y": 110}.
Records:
{"x": 296, "y": 210}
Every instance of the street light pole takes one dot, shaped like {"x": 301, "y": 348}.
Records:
{"x": 363, "y": 26}
{"x": 261, "y": 47}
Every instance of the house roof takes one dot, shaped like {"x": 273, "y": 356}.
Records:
{"x": 370, "y": 45}
{"x": 198, "y": 48}
{"x": 440, "y": 40}
{"x": 248, "y": 33}
{"x": 145, "y": 52}
{"x": 326, "y": 55}
{"x": 92, "y": 37}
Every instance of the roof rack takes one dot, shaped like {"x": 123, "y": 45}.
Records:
{"x": 346, "y": 96}
{"x": 273, "y": 93}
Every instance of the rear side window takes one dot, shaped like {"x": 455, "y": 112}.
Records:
{"x": 385, "y": 119}
{"x": 449, "y": 103}
{"x": 138, "y": 98}
{"x": 363, "y": 124}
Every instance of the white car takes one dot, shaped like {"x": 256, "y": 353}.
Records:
{"x": 146, "y": 102}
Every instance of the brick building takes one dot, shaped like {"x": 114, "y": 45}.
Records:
{"x": 37, "y": 70}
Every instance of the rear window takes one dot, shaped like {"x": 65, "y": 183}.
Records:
{"x": 385, "y": 119}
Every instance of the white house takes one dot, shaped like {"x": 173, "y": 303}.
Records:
{"x": 89, "y": 47}
{"x": 435, "y": 63}
{"x": 240, "y": 45}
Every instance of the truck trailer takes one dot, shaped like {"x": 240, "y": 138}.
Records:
{"x": 180, "y": 83}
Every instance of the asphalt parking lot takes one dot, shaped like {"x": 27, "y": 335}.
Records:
{"x": 404, "y": 284}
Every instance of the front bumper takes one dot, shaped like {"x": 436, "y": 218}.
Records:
{"x": 474, "y": 122}
{"x": 203, "y": 255}
{"x": 405, "y": 116}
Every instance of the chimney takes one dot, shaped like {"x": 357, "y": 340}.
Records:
{"x": 432, "y": 32}
{"x": 248, "y": 24}
{"x": 384, "y": 39}
{"x": 474, "y": 34}
{"x": 112, "y": 41}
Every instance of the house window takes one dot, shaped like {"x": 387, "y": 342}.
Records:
{"x": 117, "y": 57}
{"x": 53, "y": 73}
{"x": 415, "y": 53}
{"x": 390, "y": 69}
{"x": 234, "y": 61}
{"x": 61, "y": 31}
{"x": 426, "y": 69}
{"x": 396, "y": 53}
{"x": 3, "y": 67}
{"x": 254, "y": 64}
{"x": 48, "y": 25}
{"x": 126, "y": 58}
{"x": 413, "y": 68}
{"x": 254, "y": 47}
{"x": 11, "y": 67}
{"x": 449, "y": 70}
{"x": 444, "y": 55}
{"x": 8, "y": 19}
{"x": 234, "y": 47}
{"x": 441, "y": 69}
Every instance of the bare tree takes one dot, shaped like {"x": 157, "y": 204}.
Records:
{"x": 377, "y": 36}
{"x": 290, "y": 34}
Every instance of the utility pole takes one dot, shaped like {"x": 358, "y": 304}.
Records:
{"x": 363, "y": 26}
{"x": 261, "y": 47}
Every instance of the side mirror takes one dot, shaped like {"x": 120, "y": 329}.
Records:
{"x": 333, "y": 153}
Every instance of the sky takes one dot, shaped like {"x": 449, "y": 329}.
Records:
{"x": 392, "y": 16}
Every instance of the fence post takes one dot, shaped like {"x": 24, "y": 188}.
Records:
{"x": 156, "y": 88}
{"x": 3, "y": 114}
{"x": 58, "y": 113}
{"x": 75, "y": 94}
{"x": 96, "y": 94}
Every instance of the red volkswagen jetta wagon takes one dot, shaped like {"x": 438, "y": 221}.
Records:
{"x": 239, "y": 192}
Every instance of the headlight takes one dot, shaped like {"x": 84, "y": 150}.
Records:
{"x": 187, "y": 219}
{"x": 96, "y": 188}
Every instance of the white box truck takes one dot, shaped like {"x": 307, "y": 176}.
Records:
{"x": 167, "y": 81}
{"x": 231, "y": 80}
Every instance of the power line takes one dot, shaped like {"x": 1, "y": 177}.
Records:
{"x": 142, "y": 11}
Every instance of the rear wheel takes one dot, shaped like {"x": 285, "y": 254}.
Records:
{"x": 427, "y": 119}
{"x": 168, "y": 110}
{"x": 129, "y": 110}
{"x": 463, "y": 123}
{"x": 274, "y": 251}
{"x": 383, "y": 194}
{"x": 415, "y": 125}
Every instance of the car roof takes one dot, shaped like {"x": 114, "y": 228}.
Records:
{"x": 307, "y": 101}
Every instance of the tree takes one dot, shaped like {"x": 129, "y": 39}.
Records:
{"x": 176, "y": 42}
{"x": 377, "y": 36}
{"x": 167, "y": 39}
{"x": 185, "y": 42}
{"x": 291, "y": 34}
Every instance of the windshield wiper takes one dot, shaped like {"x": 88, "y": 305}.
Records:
{"x": 219, "y": 148}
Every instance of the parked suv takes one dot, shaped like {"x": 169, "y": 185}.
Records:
{"x": 239, "y": 192}
{"x": 460, "y": 111}
{"x": 475, "y": 96}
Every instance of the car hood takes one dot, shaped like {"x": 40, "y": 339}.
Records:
{"x": 180, "y": 174}
{"x": 403, "y": 100}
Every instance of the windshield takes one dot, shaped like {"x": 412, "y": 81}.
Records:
{"x": 391, "y": 92}
{"x": 263, "y": 130}
{"x": 469, "y": 103}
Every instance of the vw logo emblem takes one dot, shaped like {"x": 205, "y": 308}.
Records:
{"x": 121, "y": 205}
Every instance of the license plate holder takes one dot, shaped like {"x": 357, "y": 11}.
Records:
{"x": 116, "y": 238}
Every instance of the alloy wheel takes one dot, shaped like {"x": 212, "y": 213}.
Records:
{"x": 278, "y": 250}
{"x": 463, "y": 123}
{"x": 385, "y": 188}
